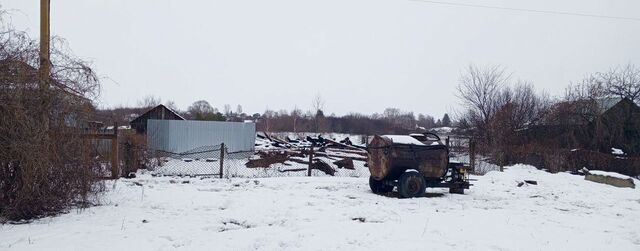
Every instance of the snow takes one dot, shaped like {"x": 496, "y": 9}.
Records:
{"x": 442, "y": 130}
{"x": 404, "y": 139}
{"x": 609, "y": 174}
{"x": 562, "y": 212}
{"x": 616, "y": 151}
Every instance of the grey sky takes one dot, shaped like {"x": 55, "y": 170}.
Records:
{"x": 361, "y": 55}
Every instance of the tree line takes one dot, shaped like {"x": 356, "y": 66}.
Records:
{"x": 498, "y": 111}
{"x": 391, "y": 120}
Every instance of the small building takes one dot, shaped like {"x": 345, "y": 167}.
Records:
{"x": 598, "y": 124}
{"x": 160, "y": 112}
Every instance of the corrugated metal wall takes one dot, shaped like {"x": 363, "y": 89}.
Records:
{"x": 181, "y": 136}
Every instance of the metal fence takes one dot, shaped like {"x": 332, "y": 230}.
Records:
{"x": 218, "y": 161}
{"x": 103, "y": 150}
{"x": 179, "y": 136}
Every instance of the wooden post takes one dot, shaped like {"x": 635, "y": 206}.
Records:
{"x": 310, "y": 161}
{"x": 447, "y": 142}
{"x": 45, "y": 66}
{"x": 45, "y": 62}
{"x": 221, "y": 159}
{"x": 115, "y": 167}
{"x": 472, "y": 154}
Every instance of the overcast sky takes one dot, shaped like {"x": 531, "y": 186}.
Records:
{"x": 360, "y": 55}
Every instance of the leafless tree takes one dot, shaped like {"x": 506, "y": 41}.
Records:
{"x": 171, "y": 105}
{"x": 317, "y": 103}
{"x": 391, "y": 113}
{"x": 227, "y": 110}
{"x": 238, "y": 110}
{"x": 149, "y": 101}
{"x": 480, "y": 89}
{"x": 296, "y": 113}
{"x": 267, "y": 116}
{"x": 623, "y": 82}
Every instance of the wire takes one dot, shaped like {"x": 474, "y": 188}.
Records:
{"x": 528, "y": 10}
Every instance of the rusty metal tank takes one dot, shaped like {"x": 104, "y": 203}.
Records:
{"x": 391, "y": 155}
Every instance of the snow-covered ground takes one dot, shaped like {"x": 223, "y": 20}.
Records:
{"x": 562, "y": 212}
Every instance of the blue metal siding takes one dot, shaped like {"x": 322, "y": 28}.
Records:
{"x": 179, "y": 136}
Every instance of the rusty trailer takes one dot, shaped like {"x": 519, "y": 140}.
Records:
{"x": 412, "y": 163}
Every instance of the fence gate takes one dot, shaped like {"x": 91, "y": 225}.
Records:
{"x": 104, "y": 149}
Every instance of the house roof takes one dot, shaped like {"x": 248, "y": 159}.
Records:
{"x": 604, "y": 104}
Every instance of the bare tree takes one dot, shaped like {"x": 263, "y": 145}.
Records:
{"x": 317, "y": 103}
{"x": 318, "y": 106}
{"x": 149, "y": 101}
{"x": 267, "y": 116}
{"x": 238, "y": 110}
{"x": 171, "y": 105}
{"x": 391, "y": 113}
{"x": 581, "y": 100}
{"x": 623, "y": 82}
{"x": 479, "y": 90}
{"x": 296, "y": 113}
{"x": 227, "y": 110}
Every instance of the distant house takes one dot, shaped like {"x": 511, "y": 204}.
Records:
{"x": 159, "y": 112}
{"x": 591, "y": 124}
{"x": 20, "y": 78}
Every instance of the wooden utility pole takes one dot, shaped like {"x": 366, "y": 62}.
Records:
{"x": 45, "y": 63}
{"x": 45, "y": 36}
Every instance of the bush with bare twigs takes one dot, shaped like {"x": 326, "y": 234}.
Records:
{"x": 45, "y": 167}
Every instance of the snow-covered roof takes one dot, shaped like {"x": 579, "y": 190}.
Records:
{"x": 404, "y": 139}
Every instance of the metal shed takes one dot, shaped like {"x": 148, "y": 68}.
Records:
{"x": 178, "y": 136}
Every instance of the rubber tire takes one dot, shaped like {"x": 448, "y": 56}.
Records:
{"x": 378, "y": 186}
{"x": 411, "y": 184}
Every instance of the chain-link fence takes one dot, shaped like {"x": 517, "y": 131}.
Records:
{"x": 216, "y": 161}
{"x": 200, "y": 161}
{"x": 293, "y": 162}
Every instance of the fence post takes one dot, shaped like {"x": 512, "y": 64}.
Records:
{"x": 114, "y": 153}
{"x": 310, "y": 161}
{"x": 221, "y": 159}
{"x": 447, "y": 142}
{"x": 472, "y": 154}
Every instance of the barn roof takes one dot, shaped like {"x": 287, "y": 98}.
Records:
{"x": 154, "y": 108}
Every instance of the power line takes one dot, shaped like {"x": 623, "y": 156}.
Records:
{"x": 528, "y": 10}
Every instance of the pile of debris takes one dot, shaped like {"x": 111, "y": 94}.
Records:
{"x": 316, "y": 152}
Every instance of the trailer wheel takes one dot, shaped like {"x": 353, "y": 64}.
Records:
{"x": 411, "y": 184}
{"x": 378, "y": 186}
